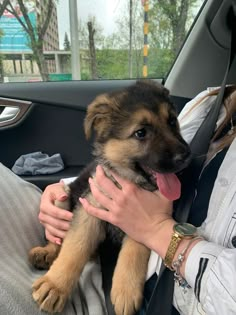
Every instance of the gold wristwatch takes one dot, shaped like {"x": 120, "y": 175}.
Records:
{"x": 181, "y": 231}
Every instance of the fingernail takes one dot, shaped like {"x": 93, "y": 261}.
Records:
{"x": 63, "y": 197}
{"x": 58, "y": 242}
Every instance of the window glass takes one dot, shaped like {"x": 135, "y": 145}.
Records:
{"x": 57, "y": 40}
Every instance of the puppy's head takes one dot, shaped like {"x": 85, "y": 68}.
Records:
{"x": 137, "y": 129}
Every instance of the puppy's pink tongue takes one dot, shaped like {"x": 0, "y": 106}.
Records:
{"x": 169, "y": 185}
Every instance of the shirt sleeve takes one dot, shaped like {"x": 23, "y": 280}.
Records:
{"x": 195, "y": 112}
{"x": 209, "y": 271}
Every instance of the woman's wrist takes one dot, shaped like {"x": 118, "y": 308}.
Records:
{"x": 182, "y": 246}
{"x": 161, "y": 239}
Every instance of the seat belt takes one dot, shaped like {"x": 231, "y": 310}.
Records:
{"x": 162, "y": 297}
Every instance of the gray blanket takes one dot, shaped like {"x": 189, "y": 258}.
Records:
{"x": 20, "y": 231}
{"x": 38, "y": 163}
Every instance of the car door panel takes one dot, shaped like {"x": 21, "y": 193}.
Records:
{"x": 49, "y": 129}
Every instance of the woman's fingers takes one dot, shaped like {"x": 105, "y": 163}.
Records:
{"x": 105, "y": 184}
{"x": 100, "y": 196}
{"x": 55, "y": 220}
{"x": 50, "y": 210}
{"x": 52, "y": 238}
{"x": 102, "y": 214}
{"x": 55, "y": 232}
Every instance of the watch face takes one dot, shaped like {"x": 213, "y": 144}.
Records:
{"x": 185, "y": 229}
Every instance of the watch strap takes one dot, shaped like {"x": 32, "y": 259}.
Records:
{"x": 181, "y": 231}
{"x": 174, "y": 243}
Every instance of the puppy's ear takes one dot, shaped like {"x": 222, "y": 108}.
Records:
{"x": 98, "y": 115}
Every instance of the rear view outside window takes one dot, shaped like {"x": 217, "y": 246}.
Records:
{"x": 57, "y": 40}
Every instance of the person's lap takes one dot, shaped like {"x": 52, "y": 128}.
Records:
{"x": 20, "y": 231}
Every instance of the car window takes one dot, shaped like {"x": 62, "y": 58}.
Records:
{"x": 47, "y": 40}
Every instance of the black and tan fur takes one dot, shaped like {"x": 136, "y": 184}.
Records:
{"x": 136, "y": 131}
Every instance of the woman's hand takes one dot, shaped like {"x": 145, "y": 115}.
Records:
{"x": 55, "y": 220}
{"x": 141, "y": 214}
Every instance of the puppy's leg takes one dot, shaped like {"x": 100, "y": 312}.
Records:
{"x": 52, "y": 290}
{"x": 42, "y": 257}
{"x": 129, "y": 277}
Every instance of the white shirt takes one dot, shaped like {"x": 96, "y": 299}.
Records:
{"x": 211, "y": 264}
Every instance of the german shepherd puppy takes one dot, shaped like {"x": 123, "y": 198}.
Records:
{"x": 137, "y": 136}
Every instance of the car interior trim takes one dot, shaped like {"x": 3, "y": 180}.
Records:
{"x": 12, "y": 111}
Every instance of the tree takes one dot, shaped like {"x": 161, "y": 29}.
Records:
{"x": 3, "y": 6}
{"x": 170, "y": 17}
{"x": 169, "y": 21}
{"x": 91, "y": 39}
{"x": 66, "y": 43}
{"x": 35, "y": 33}
{"x": 130, "y": 36}
{"x": 92, "y": 50}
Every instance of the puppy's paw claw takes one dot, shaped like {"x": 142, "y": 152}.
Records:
{"x": 126, "y": 300}
{"x": 49, "y": 298}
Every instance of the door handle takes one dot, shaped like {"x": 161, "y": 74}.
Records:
{"x": 8, "y": 113}
{"x": 11, "y": 111}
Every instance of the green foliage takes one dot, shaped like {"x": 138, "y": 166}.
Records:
{"x": 85, "y": 76}
{"x": 160, "y": 61}
{"x": 170, "y": 21}
{"x": 112, "y": 64}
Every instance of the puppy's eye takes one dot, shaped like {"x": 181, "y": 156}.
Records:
{"x": 141, "y": 133}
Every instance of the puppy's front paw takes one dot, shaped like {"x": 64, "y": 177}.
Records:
{"x": 49, "y": 297}
{"x": 42, "y": 257}
{"x": 126, "y": 298}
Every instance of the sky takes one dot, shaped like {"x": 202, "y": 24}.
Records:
{"x": 104, "y": 10}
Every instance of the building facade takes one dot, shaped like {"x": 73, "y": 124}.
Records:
{"x": 51, "y": 38}
{"x": 16, "y": 56}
